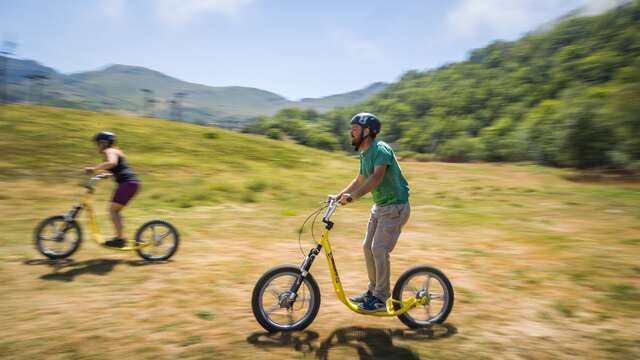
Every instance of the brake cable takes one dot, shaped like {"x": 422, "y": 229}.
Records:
{"x": 316, "y": 213}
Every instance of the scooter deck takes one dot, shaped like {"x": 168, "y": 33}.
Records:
{"x": 129, "y": 247}
{"x": 390, "y": 308}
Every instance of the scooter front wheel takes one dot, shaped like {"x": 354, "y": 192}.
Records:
{"x": 57, "y": 238}
{"x": 432, "y": 287}
{"x": 276, "y": 308}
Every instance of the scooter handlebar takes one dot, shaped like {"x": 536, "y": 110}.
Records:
{"x": 92, "y": 181}
{"x": 332, "y": 205}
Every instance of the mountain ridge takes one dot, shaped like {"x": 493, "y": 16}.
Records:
{"x": 141, "y": 90}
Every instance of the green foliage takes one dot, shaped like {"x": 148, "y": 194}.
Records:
{"x": 462, "y": 148}
{"x": 563, "y": 97}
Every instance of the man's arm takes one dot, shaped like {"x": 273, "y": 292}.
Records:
{"x": 357, "y": 182}
{"x": 371, "y": 183}
{"x": 358, "y": 191}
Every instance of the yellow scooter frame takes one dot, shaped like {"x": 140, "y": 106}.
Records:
{"x": 394, "y": 307}
{"x": 67, "y": 223}
{"x": 87, "y": 203}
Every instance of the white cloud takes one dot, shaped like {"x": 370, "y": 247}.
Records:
{"x": 510, "y": 18}
{"x": 182, "y": 11}
{"x": 502, "y": 18}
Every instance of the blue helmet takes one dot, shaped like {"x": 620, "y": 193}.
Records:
{"x": 367, "y": 120}
{"x": 107, "y": 136}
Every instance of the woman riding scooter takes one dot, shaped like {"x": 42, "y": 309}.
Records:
{"x": 128, "y": 182}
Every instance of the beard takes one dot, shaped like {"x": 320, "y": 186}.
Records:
{"x": 355, "y": 143}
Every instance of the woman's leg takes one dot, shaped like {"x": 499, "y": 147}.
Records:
{"x": 121, "y": 197}
{"x": 116, "y": 218}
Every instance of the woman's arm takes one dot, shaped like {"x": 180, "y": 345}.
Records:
{"x": 112, "y": 160}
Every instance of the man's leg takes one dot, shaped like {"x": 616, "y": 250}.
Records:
{"x": 366, "y": 246}
{"x": 390, "y": 222}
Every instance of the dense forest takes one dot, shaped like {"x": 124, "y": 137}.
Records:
{"x": 566, "y": 96}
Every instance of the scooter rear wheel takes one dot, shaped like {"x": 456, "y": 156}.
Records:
{"x": 158, "y": 240}
{"x": 430, "y": 284}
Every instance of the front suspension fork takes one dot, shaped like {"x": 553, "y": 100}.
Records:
{"x": 304, "y": 271}
{"x": 73, "y": 213}
{"x": 70, "y": 216}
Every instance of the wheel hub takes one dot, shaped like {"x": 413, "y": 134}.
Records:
{"x": 284, "y": 300}
{"x": 59, "y": 236}
{"x": 423, "y": 296}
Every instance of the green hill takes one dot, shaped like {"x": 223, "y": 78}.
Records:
{"x": 184, "y": 164}
{"x": 341, "y": 100}
{"x": 119, "y": 88}
{"x": 564, "y": 97}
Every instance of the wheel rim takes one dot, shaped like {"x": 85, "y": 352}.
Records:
{"x": 431, "y": 288}
{"x": 54, "y": 240}
{"x": 157, "y": 240}
{"x": 274, "y": 306}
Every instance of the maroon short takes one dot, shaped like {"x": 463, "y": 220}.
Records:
{"x": 125, "y": 191}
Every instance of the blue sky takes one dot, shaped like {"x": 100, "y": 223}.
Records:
{"x": 295, "y": 48}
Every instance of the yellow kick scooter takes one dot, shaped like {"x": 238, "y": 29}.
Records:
{"x": 59, "y": 236}
{"x": 287, "y": 297}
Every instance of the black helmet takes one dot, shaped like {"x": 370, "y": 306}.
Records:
{"x": 367, "y": 120}
{"x": 107, "y": 136}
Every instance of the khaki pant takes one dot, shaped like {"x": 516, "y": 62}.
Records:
{"x": 383, "y": 231}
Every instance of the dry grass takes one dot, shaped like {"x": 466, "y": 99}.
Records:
{"x": 543, "y": 267}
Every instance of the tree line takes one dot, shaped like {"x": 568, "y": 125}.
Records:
{"x": 568, "y": 96}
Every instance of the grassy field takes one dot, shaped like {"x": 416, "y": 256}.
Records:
{"x": 544, "y": 266}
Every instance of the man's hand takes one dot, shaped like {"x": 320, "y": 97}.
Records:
{"x": 345, "y": 198}
{"x": 89, "y": 169}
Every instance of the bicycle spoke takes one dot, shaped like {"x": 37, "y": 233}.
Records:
{"x": 427, "y": 282}
{"x": 273, "y": 308}
{"x": 161, "y": 237}
{"x": 427, "y": 309}
{"x": 436, "y": 297}
{"x": 153, "y": 232}
{"x": 275, "y": 292}
{"x": 290, "y": 316}
{"x": 302, "y": 299}
{"x": 411, "y": 289}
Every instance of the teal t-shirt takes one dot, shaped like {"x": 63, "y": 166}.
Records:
{"x": 394, "y": 188}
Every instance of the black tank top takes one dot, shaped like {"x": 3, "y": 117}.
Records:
{"x": 123, "y": 172}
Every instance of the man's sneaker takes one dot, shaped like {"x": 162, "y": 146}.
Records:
{"x": 115, "y": 242}
{"x": 373, "y": 304}
{"x": 361, "y": 298}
